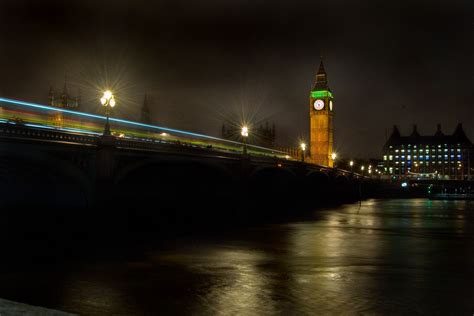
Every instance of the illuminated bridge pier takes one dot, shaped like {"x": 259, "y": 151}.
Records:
{"x": 71, "y": 165}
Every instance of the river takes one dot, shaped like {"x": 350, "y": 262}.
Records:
{"x": 411, "y": 256}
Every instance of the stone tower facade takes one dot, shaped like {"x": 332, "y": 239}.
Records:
{"x": 321, "y": 113}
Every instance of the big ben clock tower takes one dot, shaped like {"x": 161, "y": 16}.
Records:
{"x": 321, "y": 120}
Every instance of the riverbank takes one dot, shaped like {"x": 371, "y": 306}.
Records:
{"x": 10, "y": 308}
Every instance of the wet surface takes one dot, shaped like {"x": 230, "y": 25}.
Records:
{"x": 386, "y": 257}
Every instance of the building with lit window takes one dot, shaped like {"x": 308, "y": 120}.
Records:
{"x": 438, "y": 156}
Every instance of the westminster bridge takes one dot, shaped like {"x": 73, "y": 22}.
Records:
{"x": 74, "y": 166}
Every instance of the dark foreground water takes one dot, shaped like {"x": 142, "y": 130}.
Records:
{"x": 388, "y": 257}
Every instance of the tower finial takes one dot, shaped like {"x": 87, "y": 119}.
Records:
{"x": 321, "y": 82}
{"x": 145, "y": 115}
{"x": 65, "y": 82}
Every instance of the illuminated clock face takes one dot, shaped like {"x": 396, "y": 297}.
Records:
{"x": 318, "y": 104}
{"x": 330, "y": 105}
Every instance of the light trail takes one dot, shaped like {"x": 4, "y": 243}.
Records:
{"x": 132, "y": 123}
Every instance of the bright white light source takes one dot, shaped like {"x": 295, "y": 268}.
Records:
{"x": 108, "y": 94}
{"x": 245, "y": 131}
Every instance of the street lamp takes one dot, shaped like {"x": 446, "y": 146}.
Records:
{"x": 334, "y": 156}
{"x": 245, "y": 134}
{"x": 108, "y": 101}
{"x": 303, "y": 148}
{"x": 351, "y": 164}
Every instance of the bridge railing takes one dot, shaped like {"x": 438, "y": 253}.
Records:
{"x": 30, "y": 131}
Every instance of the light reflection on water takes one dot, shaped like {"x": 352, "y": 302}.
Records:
{"x": 386, "y": 257}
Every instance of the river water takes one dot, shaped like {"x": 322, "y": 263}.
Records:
{"x": 383, "y": 257}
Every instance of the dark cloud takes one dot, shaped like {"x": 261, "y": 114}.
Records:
{"x": 388, "y": 62}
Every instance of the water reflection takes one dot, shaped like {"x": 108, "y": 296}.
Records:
{"x": 384, "y": 257}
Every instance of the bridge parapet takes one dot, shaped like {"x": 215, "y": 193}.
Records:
{"x": 28, "y": 132}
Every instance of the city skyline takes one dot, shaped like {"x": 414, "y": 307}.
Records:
{"x": 201, "y": 64}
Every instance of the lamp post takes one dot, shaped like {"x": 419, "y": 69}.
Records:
{"x": 362, "y": 169}
{"x": 334, "y": 156}
{"x": 351, "y": 164}
{"x": 245, "y": 134}
{"x": 303, "y": 149}
{"x": 108, "y": 101}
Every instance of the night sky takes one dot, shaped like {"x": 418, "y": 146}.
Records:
{"x": 203, "y": 62}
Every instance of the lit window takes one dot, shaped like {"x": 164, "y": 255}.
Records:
{"x": 390, "y": 157}
{"x": 409, "y": 157}
{"x": 396, "y": 150}
{"x": 403, "y": 150}
{"x": 384, "y": 157}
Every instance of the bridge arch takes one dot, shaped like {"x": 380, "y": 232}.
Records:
{"x": 317, "y": 185}
{"x": 171, "y": 184}
{"x": 346, "y": 188}
{"x": 125, "y": 172}
{"x": 41, "y": 179}
{"x": 271, "y": 185}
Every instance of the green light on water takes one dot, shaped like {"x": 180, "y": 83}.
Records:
{"x": 321, "y": 94}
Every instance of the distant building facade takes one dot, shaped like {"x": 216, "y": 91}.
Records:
{"x": 439, "y": 156}
{"x": 63, "y": 100}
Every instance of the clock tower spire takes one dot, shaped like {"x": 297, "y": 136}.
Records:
{"x": 321, "y": 120}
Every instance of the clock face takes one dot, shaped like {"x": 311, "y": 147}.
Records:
{"x": 330, "y": 105}
{"x": 318, "y": 104}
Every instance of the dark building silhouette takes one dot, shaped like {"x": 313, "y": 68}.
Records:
{"x": 441, "y": 156}
{"x": 145, "y": 116}
{"x": 264, "y": 135}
